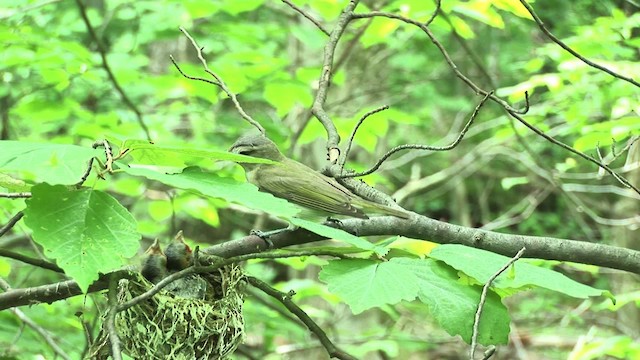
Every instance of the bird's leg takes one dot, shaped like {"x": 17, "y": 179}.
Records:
{"x": 333, "y": 222}
{"x": 265, "y": 235}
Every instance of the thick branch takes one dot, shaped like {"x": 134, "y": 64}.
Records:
{"x": 418, "y": 227}
{"x": 325, "y": 78}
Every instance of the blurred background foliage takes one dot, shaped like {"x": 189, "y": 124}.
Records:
{"x": 501, "y": 177}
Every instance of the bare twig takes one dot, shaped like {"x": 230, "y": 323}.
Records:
{"x": 422, "y": 147}
{"x": 110, "y": 321}
{"x": 18, "y": 195}
{"x": 560, "y": 43}
{"x": 31, "y": 261}
{"x": 309, "y": 17}
{"x": 510, "y": 110}
{"x": 12, "y": 222}
{"x": 105, "y": 64}
{"x": 46, "y": 336}
{"x": 285, "y": 299}
{"x": 317, "y": 109}
{"x": 435, "y": 13}
{"x": 483, "y": 299}
{"x": 343, "y": 157}
{"x": 218, "y": 81}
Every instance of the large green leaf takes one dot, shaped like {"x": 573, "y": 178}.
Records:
{"x": 145, "y": 153}
{"x": 364, "y": 284}
{"x": 481, "y": 265}
{"x": 52, "y": 163}
{"x": 213, "y": 185}
{"x": 338, "y": 234}
{"x": 453, "y": 305}
{"x": 87, "y": 232}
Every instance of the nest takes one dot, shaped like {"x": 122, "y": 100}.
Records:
{"x": 197, "y": 317}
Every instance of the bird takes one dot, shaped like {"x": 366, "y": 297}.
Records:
{"x": 154, "y": 263}
{"x": 297, "y": 183}
{"x": 178, "y": 254}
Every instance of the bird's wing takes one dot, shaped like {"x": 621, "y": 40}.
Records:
{"x": 304, "y": 186}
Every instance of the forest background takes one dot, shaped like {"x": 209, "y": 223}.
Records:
{"x": 551, "y": 152}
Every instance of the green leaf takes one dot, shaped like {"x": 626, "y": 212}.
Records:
{"x": 235, "y": 7}
{"x": 52, "y": 163}
{"x": 87, "y": 232}
{"x": 338, "y": 234}
{"x": 283, "y": 96}
{"x": 219, "y": 187}
{"x": 481, "y": 265}
{"x": 364, "y": 284}
{"x": 453, "y": 305}
{"x": 145, "y": 153}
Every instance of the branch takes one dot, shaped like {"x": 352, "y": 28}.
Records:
{"x": 510, "y": 110}
{"x": 105, "y": 64}
{"x": 483, "y": 299}
{"x": 553, "y": 38}
{"x": 46, "y": 336}
{"x": 110, "y": 321}
{"x": 317, "y": 108}
{"x": 285, "y": 299}
{"x": 31, "y": 261}
{"x": 422, "y": 147}
{"x": 12, "y": 222}
{"x": 218, "y": 81}
{"x": 18, "y": 195}
{"x": 417, "y": 227}
{"x": 355, "y": 129}
{"x": 309, "y": 17}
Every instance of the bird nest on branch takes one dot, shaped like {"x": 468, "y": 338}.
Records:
{"x": 196, "y": 317}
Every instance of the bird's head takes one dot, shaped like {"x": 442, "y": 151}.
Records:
{"x": 257, "y": 146}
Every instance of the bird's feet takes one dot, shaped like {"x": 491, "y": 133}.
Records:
{"x": 335, "y": 223}
{"x": 266, "y": 235}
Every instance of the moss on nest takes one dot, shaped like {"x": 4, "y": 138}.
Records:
{"x": 175, "y": 325}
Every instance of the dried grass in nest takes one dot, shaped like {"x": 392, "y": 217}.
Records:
{"x": 170, "y": 326}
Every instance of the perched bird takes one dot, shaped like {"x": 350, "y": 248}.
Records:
{"x": 154, "y": 264}
{"x": 298, "y": 183}
{"x": 178, "y": 254}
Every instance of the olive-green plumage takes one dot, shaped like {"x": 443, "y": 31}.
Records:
{"x": 298, "y": 183}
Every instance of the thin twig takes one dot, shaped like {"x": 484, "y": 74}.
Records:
{"x": 31, "y": 261}
{"x": 219, "y": 82}
{"x": 46, "y": 336}
{"x": 105, "y": 64}
{"x": 483, "y": 299}
{"x": 309, "y": 17}
{"x": 510, "y": 110}
{"x": 355, "y": 129}
{"x": 18, "y": 195}
{"x": 422, "y": 147}
{"x": 553, "y": 38}
{"x": 110, "y": 321}
{"x": 435, "y": 13}
{"x": 285, "y": 299}
{"x": 12, "y": 222}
